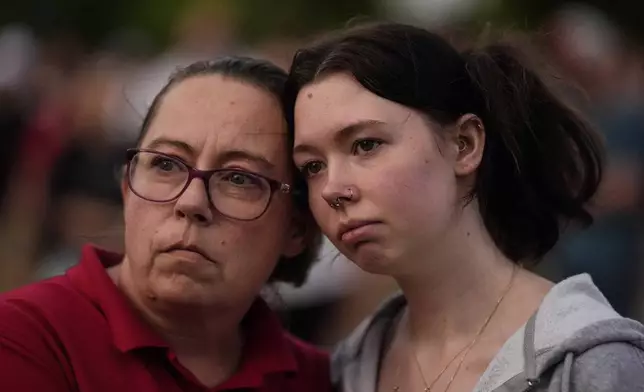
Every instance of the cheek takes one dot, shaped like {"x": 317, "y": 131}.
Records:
{"x": 418, "y": 192}
{"x": 142, "y": 222}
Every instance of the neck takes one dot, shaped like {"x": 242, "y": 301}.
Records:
{"x": 450, "y": 295}
{"x": 206, "y": 341}
{"x": 197, "y": 332}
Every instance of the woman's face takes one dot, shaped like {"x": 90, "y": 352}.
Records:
{"x": 402, "y": 178}
{"x": 186, "y": 251}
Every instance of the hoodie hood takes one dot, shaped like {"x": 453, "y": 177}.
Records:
{"x": 573, "y": 317}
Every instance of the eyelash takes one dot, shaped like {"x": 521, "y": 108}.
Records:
{"x": 356, "y": 145}
{"x": 305, "y": 168}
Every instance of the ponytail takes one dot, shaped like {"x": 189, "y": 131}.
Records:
{"x": 542, "y": 161}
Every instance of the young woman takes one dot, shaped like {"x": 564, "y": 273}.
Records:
{"x": 448, "y": 171}
{"x": 211, "y": 214}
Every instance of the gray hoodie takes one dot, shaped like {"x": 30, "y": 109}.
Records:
{"x": 575, "y": 342}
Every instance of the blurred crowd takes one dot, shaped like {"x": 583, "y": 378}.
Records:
{"x": 67, "y": 114}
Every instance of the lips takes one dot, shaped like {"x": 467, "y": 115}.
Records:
{"x": 355, "y": 231}
{"x": 188, "y": 248}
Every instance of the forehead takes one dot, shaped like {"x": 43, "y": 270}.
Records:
{"x": 338, "y": 100}
{"x": 215, "y": 113}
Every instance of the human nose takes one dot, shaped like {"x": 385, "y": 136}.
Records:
{"x": 339, "y": 189}
{"x": 194, "y": 203}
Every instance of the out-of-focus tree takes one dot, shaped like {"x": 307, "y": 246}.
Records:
{"x": 93, "y": 22}
{"x": 262, "y": 20}
{"x": 530, "y": 14}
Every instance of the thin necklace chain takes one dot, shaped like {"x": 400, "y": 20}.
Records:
{"x": 462, "y": 352}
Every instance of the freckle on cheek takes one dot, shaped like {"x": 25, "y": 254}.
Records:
{"x": 223, "y": 243}
{"x": 309, "y": 95}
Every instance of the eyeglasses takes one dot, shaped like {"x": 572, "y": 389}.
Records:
{"x": 235, "y": 193}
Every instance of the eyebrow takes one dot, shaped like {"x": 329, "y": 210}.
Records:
{"x": 162, "y": 141}
{"x": 227, "y": 156}
{"x": 245, "y": 155}
{"x": 343, "y": 134}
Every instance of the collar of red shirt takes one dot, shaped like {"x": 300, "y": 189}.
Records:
{"x": 266, "y": 348}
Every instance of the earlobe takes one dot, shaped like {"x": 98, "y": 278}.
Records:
{"x": 470, "y": 144}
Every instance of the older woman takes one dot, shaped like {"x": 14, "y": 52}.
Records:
{"x": 211, "y": 214}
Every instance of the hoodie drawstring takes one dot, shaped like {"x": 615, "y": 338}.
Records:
{"x": 529, "y": 354}
{"x": 567, "y": 371}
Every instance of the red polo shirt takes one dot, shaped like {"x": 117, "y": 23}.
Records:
{"x": 77, "y": 332}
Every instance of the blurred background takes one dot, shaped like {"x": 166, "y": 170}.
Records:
{"x": 77, "y": 76}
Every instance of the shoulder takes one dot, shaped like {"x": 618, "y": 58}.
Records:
{"x": 32, "y": 353}
{"x": 33, "y": 302}
{"x": 36, "y": 313}
{"x": 615, "y": 366}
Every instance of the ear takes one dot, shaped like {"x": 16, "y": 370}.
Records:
{"x": 124, "y": 186}
{"x": 469, "y": 142}
{"x": 298, "y": 237}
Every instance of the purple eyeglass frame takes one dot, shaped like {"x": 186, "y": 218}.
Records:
{"x": 205, "y": 176}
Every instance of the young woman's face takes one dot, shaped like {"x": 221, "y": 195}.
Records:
{"x": 210, "y": 122}
{"x": 388, "y": 160}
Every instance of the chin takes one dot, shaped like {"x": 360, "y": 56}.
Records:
{"x": 371, "y": 261}
{"x": 182, "y": 290}
{"x": 375, "y": 268}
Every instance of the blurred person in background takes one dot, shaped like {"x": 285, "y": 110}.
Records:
{"x": 17, "y": 51}
{"x": 449, "y": 171}
{"x": 46, "y": 125}
{"x": 83, "y": 199}
{"x": 592, "y": 52}
{"x": 204, "y": 30}
{"x": 64, "y": 186}
{"x": 212, "y": 211}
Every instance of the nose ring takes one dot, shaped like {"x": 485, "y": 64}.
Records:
{"x": 337, "y": 202}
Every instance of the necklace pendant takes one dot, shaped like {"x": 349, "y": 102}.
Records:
{"x": 396, "y": 389}
{"x": 427, "y": 389}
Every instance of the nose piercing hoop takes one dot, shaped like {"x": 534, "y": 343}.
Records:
{"x": 337, "y": 202}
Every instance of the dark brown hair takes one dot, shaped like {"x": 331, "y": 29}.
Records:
{"x": 271, "y": 78}
{"x": 542, "y": 162}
